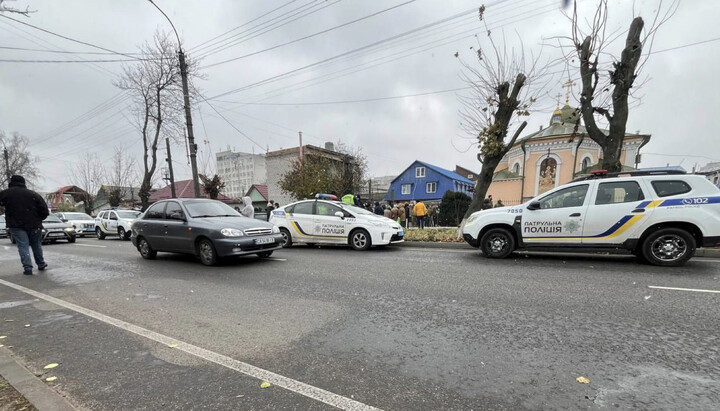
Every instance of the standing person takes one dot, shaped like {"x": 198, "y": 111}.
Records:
{"x": 358, "y": 200}
{"x": 401, "y": 211}
{"x": 270, "y": 207}
{"x": 276, "y": 206}
{"x": 378, "y": 209}
{"x": 25, "y": 211}
{"x": 248, "y": 211}
{"x": 394, "y": 213}
{"x": 407, "y": 214}
{"x": 487, "y": 204}
{"x": 348, "y": 199}
{"x": 386, "y": 211}
{"x": 420, "y": 212}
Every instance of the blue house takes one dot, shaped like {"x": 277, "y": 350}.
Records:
{"x": 426, "y": 182}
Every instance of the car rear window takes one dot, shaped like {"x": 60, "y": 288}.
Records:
{"x": 666, "y": 188}
{"x": 618, "y": 192}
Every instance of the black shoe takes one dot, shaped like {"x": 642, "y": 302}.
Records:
{"x": 42, "y": 267}
{"x": 27, "y": 272}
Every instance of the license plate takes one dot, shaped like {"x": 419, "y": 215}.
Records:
{"x": 400, "y": 233}
{"x": 264, "y": 240}
{"x": 57, "y": 235}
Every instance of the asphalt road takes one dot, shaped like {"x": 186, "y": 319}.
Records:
{"x": 394, "y": 328}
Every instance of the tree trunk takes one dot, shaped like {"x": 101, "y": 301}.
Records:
{"x": 482, "y": 185}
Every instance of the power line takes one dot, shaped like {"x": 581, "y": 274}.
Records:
{"x": 231, "y": 124}
{"x": 65, "y": 61}
{"x": 257, "y": 30}
{"x": 60, "y": 51}
{"x": 350, "y": 101}
{"x": 242, "y": 25}
{"x": 67, "y": 38}
{"x": 95, "y": 67}
{"x": 312, "y": 35}
{"x": 392, "y": 57}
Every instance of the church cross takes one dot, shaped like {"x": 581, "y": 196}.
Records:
{"x": 568, "y": 84}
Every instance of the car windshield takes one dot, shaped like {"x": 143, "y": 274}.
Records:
{"x": 356, "y": 210}
{"x": 52, "y": 219}
{"x": 210, "y": 209}
{"x": 128, "y": 214}
{"x": 77, "y": 216}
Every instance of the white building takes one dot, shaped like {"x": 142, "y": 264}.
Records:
{"x": 239, "y": 171}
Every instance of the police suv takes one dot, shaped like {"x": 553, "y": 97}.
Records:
{"x": 332, "y": 222}
{"x": 660, "y": 216}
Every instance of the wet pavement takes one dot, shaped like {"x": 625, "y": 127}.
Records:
{"x": 391, "y": 328}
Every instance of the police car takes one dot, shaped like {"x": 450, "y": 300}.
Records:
{"x": 660, "y": 216}
{"x": 332, "y": 222}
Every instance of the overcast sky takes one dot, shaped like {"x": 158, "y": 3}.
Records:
{"x": 678, "y": 102}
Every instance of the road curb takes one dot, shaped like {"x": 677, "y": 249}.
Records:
{"x": 700, "y": 252}
{"x": 29, "y": 386}
{"x": 430, "y": 244}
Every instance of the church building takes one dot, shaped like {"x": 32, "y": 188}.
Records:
{"x": 553, "y": 156}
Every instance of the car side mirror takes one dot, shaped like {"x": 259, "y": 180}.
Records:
{"x": 534, "y": 206}
{"x": 339, "y": 214}
{"x": 64, "y": 220}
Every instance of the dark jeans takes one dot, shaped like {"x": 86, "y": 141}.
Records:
{"x": 26, "y": 239}
{"x": 421, "y": 222}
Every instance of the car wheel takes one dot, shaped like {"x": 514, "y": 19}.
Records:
{"x": 122, "y": 234}
{"x": 99, "y": 234}
{"x": 71, "y": 239}
{"x": 497, "y": 243}
{"x": 287, "y": 238}
{"x": 206, "y": 252}
{"x": 265, "y": 254}
{"x": 360, "y": 240}
{"x": 146, "y": 251}
{"x": 668, "y": 247}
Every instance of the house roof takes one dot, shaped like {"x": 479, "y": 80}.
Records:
{"x": 183, "y": 189}
{"x": 447, "y": 173}
{"x": 307, "y": 149}
{"x": 260, "y": 188}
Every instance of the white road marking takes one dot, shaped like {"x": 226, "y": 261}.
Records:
{"x": 289, "y": 384}
{"x": 275, "y": 259}
{"x": 684, "y": 289}
{"x": 708, "y": 260}
{"x": 90, "y": 245}
{"x": 441, "y": 250}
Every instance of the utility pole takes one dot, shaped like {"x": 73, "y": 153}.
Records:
{"x": 186, "y": 98}
{"x": 188, "y": 120}
{"x": 301, "y": 146}
{"x": 169, "y": 161}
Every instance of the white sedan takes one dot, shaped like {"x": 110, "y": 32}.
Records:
{"x": 332, "y": 222}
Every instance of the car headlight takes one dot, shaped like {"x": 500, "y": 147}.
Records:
{"x": 70, "y": 229}
{"x": 231, "y": 232}
{"x": 275, "y": 229}
{"x": 44, "y": 230}
{"x": 472, "y": 218}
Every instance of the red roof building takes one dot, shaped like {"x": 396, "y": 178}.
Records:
{"x": 184, "y": 189}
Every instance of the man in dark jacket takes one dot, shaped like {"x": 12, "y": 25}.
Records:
{"x": 25, "y": 211}
{"x": 378, "y": 209}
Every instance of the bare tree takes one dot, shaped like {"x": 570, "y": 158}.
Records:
{"x": 88, "y": 174}
{"x": 155, "y": 84}
{"x": 212, "y": 185}
{"x": 120, "y": 175}
{"x": 504, "y": 88}
{"x": 607, "y": 87}
{"x": 20, "y": 161}
{"x": 7, "y": 9}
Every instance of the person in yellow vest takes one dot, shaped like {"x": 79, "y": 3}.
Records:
{"x": 420, "y": 212}
{"x": 348, "y": 199}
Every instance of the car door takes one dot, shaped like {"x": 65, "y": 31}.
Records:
{"x": 557, "y": 217}
{"x": 151, "y": 227}
{"x": 100, "y": 221}
{"x": 301, "y": 221}
{"x": 327, "y": 226}
{"x": 176, "y": 233}
{"x": 616, "y": 212}
{"x": 112, "y": 222}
